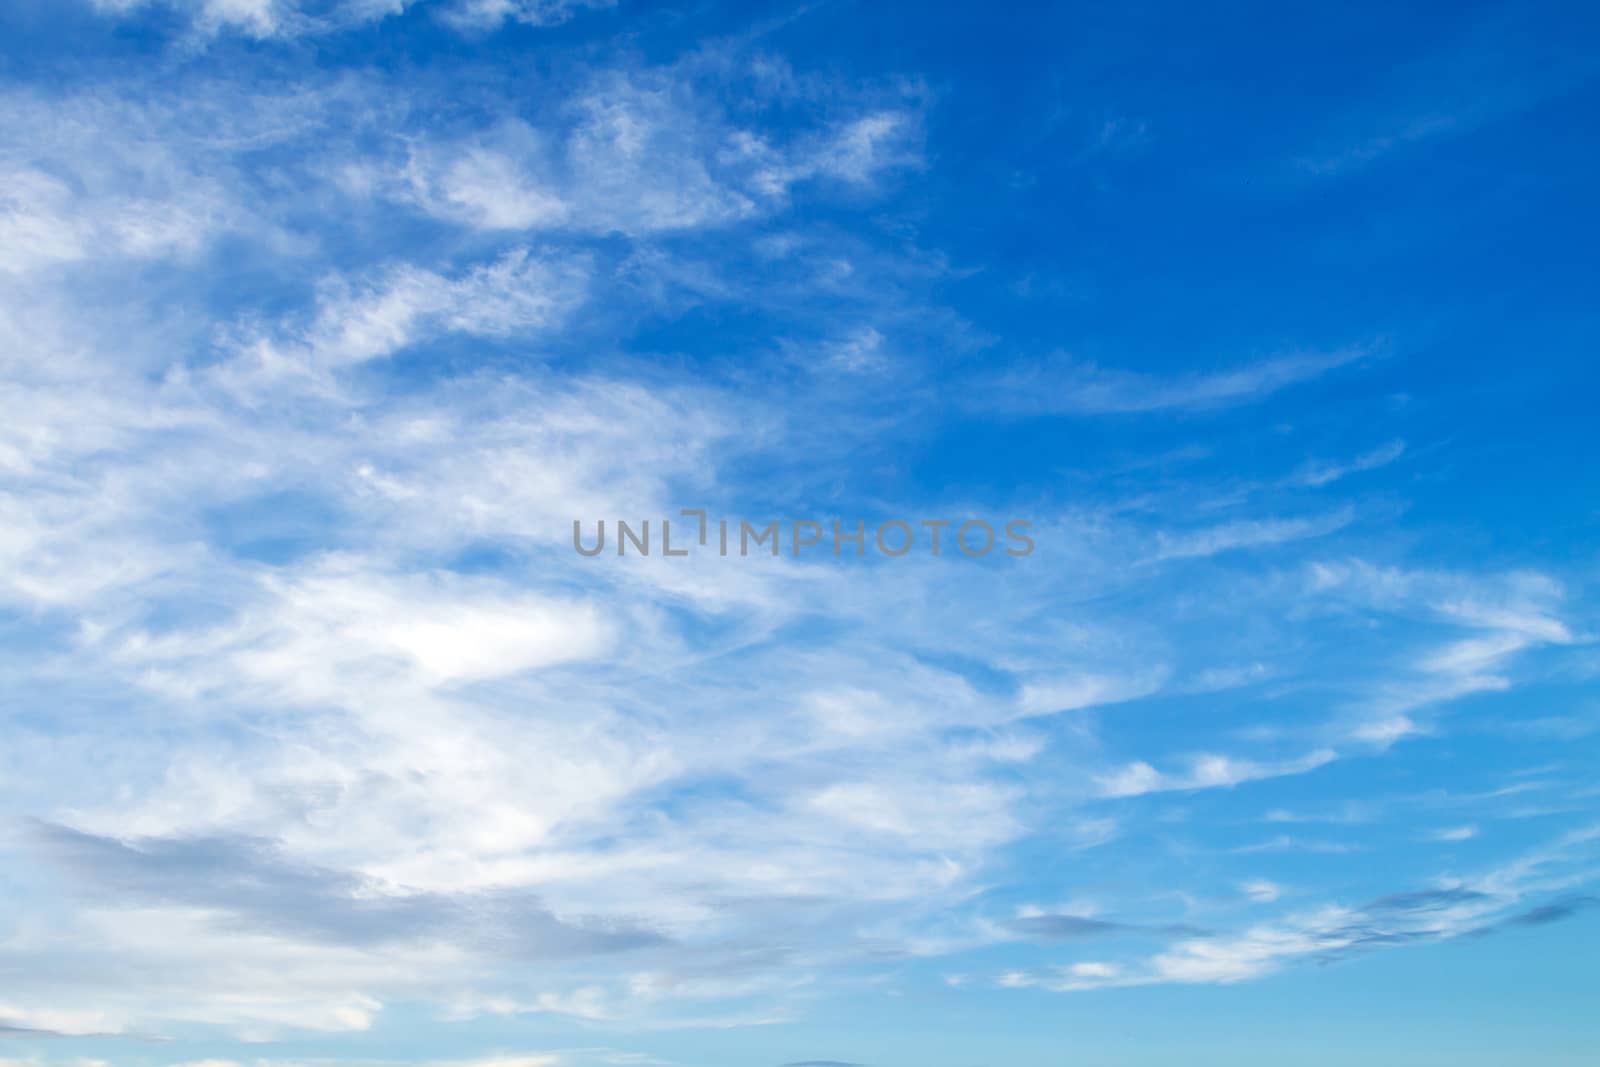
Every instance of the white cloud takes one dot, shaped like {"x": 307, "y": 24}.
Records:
{"x": 855, "y": 152}
{"x": 638, "y": 153}
{"x": 1448, "y": 909}
{"x": 488, "y": 189}
{"x": 476, "y": 16}
{"x": 961, "y": 816}
{"x": 447, "y": 630}
{"x": 264, "y": 19}
{"x": 634, "y": 159}
{"x": 1073, "y": 692}
{"x": 1261, "y": 891}
{"x": 1523, "y": 603}
{"x": 1205, "y": 772}
{"x": 1456, "y": 833}
{"x": 1386, "y": 730}
{"x": 1317, "y": 475}
{"x": 1509, "y": 613}
{"x": 356, "y": 321}
{"x": 1247, "y": 533}
{"x": 57, "y": 1021}
{"x": 585, "y": 1002}
{"x": 91, "y": 189}
{"x": 1074, "y": 388}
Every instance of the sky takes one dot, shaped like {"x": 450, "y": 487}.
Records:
{"x": 323, "y": 321}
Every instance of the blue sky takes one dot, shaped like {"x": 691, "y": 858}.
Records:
{"x": 321, "y": 321}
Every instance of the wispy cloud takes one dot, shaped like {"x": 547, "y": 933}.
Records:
{"x": 264, "y": 18}
{"x": 1456, "y": 833}
{"x": 1336, "y": 932}
{"x": 1316, "y": 475}
{"x": 1247, "y": 533}
{"x": 1205, "y": 772}
{"x": 1492, "y": 69}
{"x": 1065, "y": 387}
{"x": 476, "y": 16}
